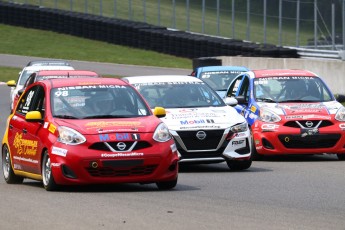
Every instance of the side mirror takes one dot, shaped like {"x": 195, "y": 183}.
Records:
{"x": 340, "y": 98}
{"x": 241, "y": 100}
{"x": 20, "y": 92}
{"x": 159, "y": 112}
{"x": 230, "y": 101}
{"x": 11, "y": 83}
{"x": 33, "y": 116}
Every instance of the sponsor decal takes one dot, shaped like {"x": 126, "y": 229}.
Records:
{"x": 307, "y": 117}
{"x": 257, "y": 142}
{"x": 59, "y": 151}
{"x": 195, "y": 115}
{"x": 201, "y": 127}
{"x": 253, "y": 109}
{"x": 187, "y": 110}
{"x": 52, "y": 128}
{"x": 45, "y": 125}
{"x": 25, "y": 159}
{"x": 17, "y": 166}
{"x": 118, "y": 137}
{"x": 253, "y": 116}
{"x": 25, "y": 146}
{"x": 173, "y": 147}
{"x": 134, "y": 154}
{"x": 55, "y": 164}
{"x": 238, "y": 143}
{"x": 342, "y": 126}
{"x": 199, "y": 121}
{"x": 240, "y": 134}
{"x": 269, "y": 127}
{"x": 106, "y": 124}
{"x": 309, "y": 132}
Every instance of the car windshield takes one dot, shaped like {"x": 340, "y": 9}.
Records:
{"x": 24, "y": 76}
{"x": 179, "y": 94}
{"x": 219, "y": 80}
{"x": 291, "y": 89}
{"x": 97, "y": 101}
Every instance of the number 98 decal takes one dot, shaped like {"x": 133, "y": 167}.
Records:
{"x": 61, "y": 93}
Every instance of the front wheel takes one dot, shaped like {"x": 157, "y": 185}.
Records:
{"x": 167, "y": 185}
{"x": 48, "y": 179}
{"x": 9, "y": 175}
{"x": 239, "y": 165}
{"x": 341, "y": 157}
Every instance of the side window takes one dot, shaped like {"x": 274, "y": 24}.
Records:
{"x": 31, "y": 100}
{"x": 234, "y": 87}
{"x": 244, "y": 88}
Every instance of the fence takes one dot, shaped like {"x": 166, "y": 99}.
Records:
{"x": 295, "y": 23}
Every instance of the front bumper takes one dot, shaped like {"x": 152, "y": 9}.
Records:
{"x": 218, "y": 146}
{"x": 81, "y": 165}
{"x": 278, "y": 139}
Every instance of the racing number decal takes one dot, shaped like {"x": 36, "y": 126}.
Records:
{"x": 61, "y": 93}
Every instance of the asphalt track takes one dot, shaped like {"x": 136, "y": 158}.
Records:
{"x": 279, "y": 193}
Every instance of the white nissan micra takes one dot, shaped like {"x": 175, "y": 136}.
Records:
{"x": 205, "y": 129}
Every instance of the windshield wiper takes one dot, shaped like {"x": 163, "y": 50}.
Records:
{"x": 66, "y": 117}
{"x": 106, "y": 116}
{"x": 266, "y": 99}
{"x": 299, "y": 100}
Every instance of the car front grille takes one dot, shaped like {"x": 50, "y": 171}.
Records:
{"x": 312, "y": 123}
{"x": 121, "y": 171}
{"x": 309, "y": 142}
{"x": 192, "y": 143}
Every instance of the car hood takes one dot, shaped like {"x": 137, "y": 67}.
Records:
{"x": 315, "y": 109}
{"x": 202, "y": 118}
{"x": 146, "y": 124}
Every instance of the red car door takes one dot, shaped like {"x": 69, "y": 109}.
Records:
{"x": 25, "y": 146}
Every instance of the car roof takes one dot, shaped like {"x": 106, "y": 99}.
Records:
{"x": 282, "y": 73}
{"x": 223, "y": 67}
{"x": 48, "y": 63}
{"x": 68, "y": 73}
{"x": 47, "y": 67}
{"x": 85, "y": 81}
{"x": 161, "y": 78}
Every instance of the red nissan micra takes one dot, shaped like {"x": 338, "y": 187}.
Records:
{"x": 87, "y": 131}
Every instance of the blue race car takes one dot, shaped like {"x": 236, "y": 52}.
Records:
{"x": 218, "y": 77}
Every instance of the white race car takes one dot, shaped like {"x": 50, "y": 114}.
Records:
{"x": 26, "y": 72}
{"x": 205, "y": 129}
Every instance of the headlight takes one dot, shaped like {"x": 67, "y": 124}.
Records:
{"x": 239, "y": 128}
{"x": 269, "y": 116}
{"x": 70, "y": 136}
{"x": 340, "y": 115}
{"x": 162, "y": 133}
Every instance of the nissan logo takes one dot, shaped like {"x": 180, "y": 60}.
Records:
{"x": 121, "y": 146}
{"x": 201, "y": 135}
{"x": 309, "y": 124}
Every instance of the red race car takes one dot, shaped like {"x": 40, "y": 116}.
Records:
{"x": 87, "y": 131}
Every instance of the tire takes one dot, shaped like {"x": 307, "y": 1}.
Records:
{"x": 255, "y": 156}
{"x": 239, "y": 165}
{"x": 47, "y": 176}
{"x": 9, "y": 175}
{"x": 341, "y": 157}
{"x": 167, "y": 185}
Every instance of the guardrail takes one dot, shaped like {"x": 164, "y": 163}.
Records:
{"x": 320, "y": 54}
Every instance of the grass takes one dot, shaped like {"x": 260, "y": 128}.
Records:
{"x": 32, "y": 42}
{"x": 46, "y": 44}
{"x": 8, "y": 73}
